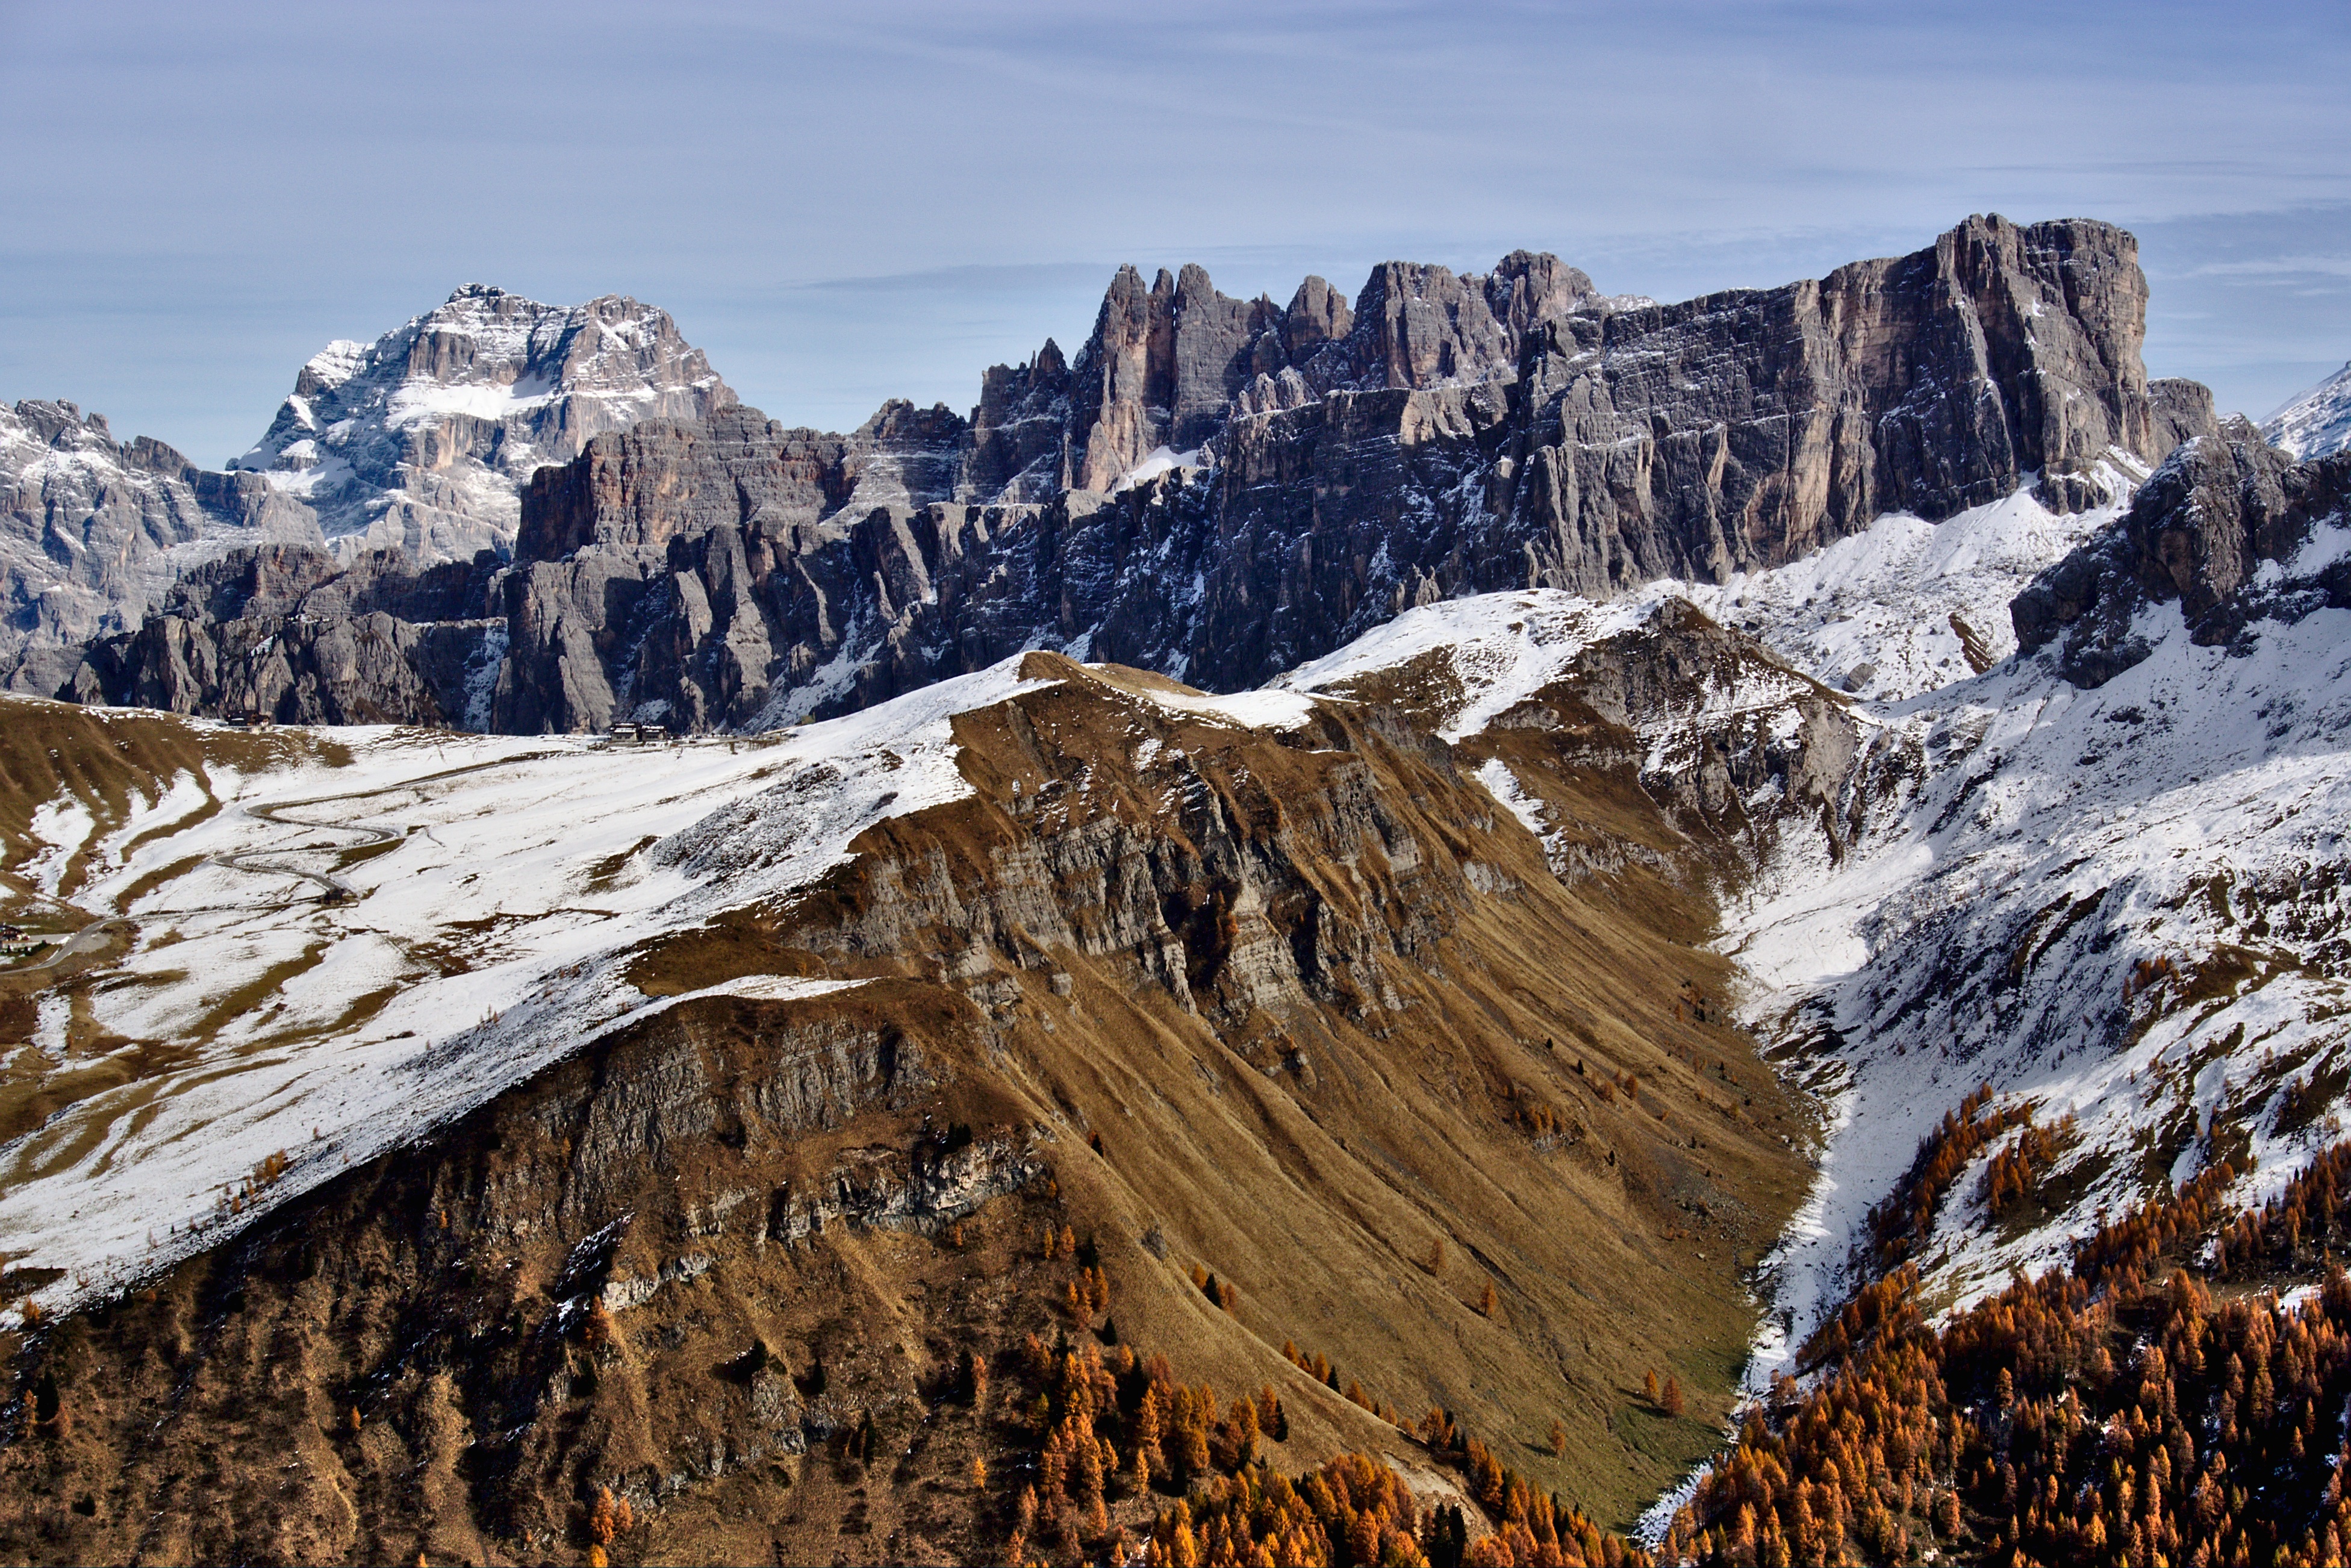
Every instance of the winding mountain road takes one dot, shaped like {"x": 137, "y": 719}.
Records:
{"x": 261, "y": 862}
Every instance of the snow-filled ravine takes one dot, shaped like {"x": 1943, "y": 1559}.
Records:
{"x": 2122, "y": 905}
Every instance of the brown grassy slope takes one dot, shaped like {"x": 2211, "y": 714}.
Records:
{"x": 1299, "y": 985}
{"x": 111, "y": 761}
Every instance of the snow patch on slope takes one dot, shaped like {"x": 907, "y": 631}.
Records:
{"x": 2315, "y": 423}
{"x": 489, "y": 941}
{"x": 1263, "y": 709}
{"x": 1907, "y": 605}
{"x": 1162, "y": 460}
{"x": 1503, "y": 647}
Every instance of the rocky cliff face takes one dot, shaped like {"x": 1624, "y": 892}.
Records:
{"x": 1221, "y": 489}
{"x": 1167, "y": 366}
{"x": 421, "y": 440}
{"x": 2219, "y": 530}
{"x": 296, "y": 630}
{"x": 93, "y": 530}
{"x": 1747, "y": 429}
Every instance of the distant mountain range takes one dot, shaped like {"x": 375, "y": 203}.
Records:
{"x": 1213, "y": 488}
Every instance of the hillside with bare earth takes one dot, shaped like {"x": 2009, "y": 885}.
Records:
{"x": 736, "y": 1151}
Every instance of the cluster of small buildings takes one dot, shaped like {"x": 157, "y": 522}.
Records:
{"x": 629, "y": 734}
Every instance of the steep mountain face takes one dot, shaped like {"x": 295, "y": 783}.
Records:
{"x": 2220, "y": 531}
{"x": 2101, "y": 882}
{"x": 373, "y": 638}
{"x": 421, "y": 440}
{"x": 1220, "y": 489}
{"x": 2316, "y": 424}
{"x": 789, "y": 1052}
{"x": 92, "y": 531}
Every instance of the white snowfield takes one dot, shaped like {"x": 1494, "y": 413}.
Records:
{"x": 1502, "y": 648}
{"x": 490, "y": 940}
{"x": 1162, "y": 460}
{"x": 1873, "y": 614}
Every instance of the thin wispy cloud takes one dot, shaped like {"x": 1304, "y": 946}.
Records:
{"x": 200, "y": 197}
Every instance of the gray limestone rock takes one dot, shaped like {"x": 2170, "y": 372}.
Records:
{"x": 293, "y": 633}
{"x": 1333, "y": 464}
{"x": 93, "y": 532}
{"x": 2197, "y": 534}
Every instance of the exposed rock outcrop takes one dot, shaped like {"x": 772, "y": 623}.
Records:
{"x": 92, "y": 531}
{"x": 1220, "y": 489}
{"x": 2198, "y": 534}
{"x": 292, "y": 631}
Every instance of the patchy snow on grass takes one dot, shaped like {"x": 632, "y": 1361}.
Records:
{"x": 498, "y": 887}
{"x": 1501, "y": 647}
{"x": 63, "y": 826}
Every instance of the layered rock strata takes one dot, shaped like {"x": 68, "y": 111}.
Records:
{"x": 1220, "y": 489}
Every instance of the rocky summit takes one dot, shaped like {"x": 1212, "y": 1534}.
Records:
{"x": 1219, "y": 490}
{"x": 417, "y": 444}
{"x": 420, "y": 441}
{"x": 1486, "y": 923}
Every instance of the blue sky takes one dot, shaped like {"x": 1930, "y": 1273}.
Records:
{"x": 845, "y": 204}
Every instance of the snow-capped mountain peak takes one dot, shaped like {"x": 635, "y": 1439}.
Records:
{"x": 2316, "y": 422}
{"x": 423, "y": 438}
